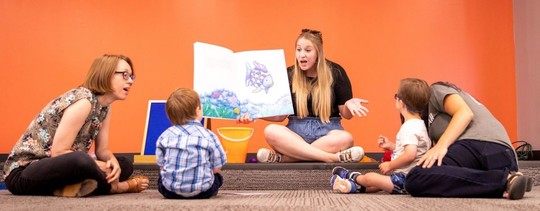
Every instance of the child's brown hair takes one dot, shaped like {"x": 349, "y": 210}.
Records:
{"x": 414, "y": 93}
{"x": 182, "y": 106}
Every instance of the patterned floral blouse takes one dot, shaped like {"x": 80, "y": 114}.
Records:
{"x": 37, "y": 140}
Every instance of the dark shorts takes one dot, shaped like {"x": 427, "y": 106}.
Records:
{"x": 398, "y": 179}
{"x": 312, "y": 128}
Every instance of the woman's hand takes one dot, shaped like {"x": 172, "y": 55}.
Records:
{"x": 115, "y": 170}
{"x": 244, "y": 119}
{"x": 111, "y": 170}
{"x": 462, "y": 115}
{"x": 354, "y": 105}
{"x": 435, "y": 154}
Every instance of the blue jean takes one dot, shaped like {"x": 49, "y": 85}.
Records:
{"x": 213, "y": 191}
{"x": 471, "y": 168}
{"x": 312, "y": 128}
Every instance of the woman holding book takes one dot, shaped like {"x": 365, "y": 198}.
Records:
{"x": 322, "y": 95}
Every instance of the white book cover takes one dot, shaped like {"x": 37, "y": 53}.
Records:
{"x": 230, "y": 84}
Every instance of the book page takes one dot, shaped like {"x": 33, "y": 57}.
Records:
{"x": 249, "y": 82}
{"x": 265, "y": 85}
{"x": 212, "y": 65}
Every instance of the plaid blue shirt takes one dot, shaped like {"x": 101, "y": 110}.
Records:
{"x": 187, "y": 154}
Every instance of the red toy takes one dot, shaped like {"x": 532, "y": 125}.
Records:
{"x": 387, "y": 156}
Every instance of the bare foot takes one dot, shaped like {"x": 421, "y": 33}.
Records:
{"x": 134, "y": 184}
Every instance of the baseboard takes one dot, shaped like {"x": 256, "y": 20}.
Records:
{"x": 536, "y": 155}
{"x": 136, "y": 156}
{"x": 250, "y": 158}
{"x": 144, "y": 159}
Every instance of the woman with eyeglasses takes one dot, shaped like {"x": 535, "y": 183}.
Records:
{"x": 52, "y": 156}
{"x": 472, "y": 155}
{"x": 322, "y": 96}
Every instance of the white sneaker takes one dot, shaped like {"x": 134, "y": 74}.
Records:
{"x": 342, "y": 185}
{"x": 351, "y": 155}
{"x": 268, "y": 156}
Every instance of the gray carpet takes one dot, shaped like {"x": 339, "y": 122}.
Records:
{"x": 295, "y": 176}
{"x": 299, "y": 186}
{"x": 266, "y": 200}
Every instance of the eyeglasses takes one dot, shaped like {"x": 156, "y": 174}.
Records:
{"x": 396, "y": 96}
{"x": 126, "y": 75}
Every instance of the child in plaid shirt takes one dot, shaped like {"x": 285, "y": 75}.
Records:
{"x": 190, "y": 156}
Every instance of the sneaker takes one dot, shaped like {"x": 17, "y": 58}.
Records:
{"x": 351, "y": 155}
{"x": 345, "y": 173}
{"x": 80, "y": 189}
{"x": 341, "y": 172}
{"x": 516, "y": 185}
{"x": 530, "y": 182}
{"x": 268, "y": 156}
{"x": 341, "y": 185}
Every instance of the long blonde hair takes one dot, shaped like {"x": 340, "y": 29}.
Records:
{"x": 319, "y": 89}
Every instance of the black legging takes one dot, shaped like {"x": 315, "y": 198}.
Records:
{"x": 48, "y": 174}
{"x": 471, "y": 168}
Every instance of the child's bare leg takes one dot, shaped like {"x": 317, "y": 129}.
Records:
{"x": 375, "y": 182}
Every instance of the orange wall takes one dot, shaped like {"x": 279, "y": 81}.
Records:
{"x": 46, "y": 47}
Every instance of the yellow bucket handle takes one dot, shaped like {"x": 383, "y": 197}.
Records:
{"x": 236, "y": 140}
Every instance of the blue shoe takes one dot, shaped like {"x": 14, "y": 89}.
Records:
{"x": 341, "y": 172}
{"x": 342, "y": 185}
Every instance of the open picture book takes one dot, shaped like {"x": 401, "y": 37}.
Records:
{"x": 249, "y": 82}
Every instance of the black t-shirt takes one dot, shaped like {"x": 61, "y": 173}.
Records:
{"x": 342, "y": 90}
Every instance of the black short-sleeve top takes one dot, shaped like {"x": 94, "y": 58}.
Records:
{"x": 342, "y": 89}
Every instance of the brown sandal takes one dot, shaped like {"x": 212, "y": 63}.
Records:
{"x": 135, "y": 184}
{"x": 80, "y": 189}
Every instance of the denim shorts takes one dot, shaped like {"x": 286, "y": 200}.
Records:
{"x": 312, "y": 128}
{"x": 398, "y": 180}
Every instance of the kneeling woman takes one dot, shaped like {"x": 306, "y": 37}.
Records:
{"x": 472, "y": 157}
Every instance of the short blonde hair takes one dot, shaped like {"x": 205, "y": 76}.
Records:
{"x": 98, "y": 78}
{"x": 182, "y": 106}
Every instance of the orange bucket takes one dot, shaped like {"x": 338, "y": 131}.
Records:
{"x": 235, "y": 142}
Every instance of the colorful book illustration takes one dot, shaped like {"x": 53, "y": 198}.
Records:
{"x": 249, "y": 82}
